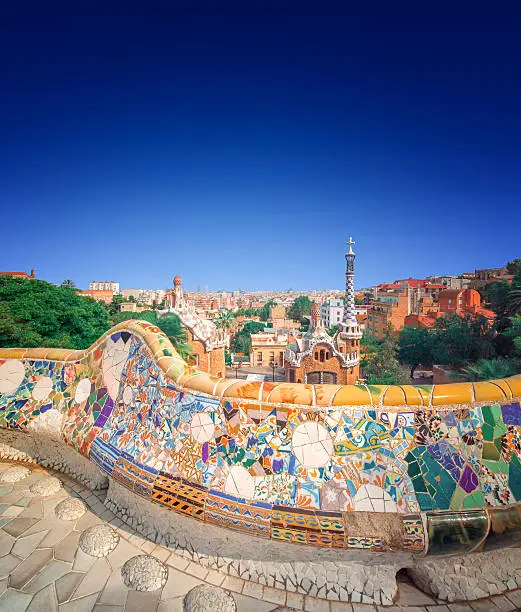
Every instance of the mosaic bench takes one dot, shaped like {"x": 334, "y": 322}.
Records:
{"x": 431, "y": 470}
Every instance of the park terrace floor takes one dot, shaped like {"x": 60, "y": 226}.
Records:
{"x": 45, "y": 566}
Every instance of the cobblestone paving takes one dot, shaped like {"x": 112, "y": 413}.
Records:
{"x": 43, "y": 568}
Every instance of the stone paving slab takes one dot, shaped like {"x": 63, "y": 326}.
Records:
{"x": 42, "y": 567}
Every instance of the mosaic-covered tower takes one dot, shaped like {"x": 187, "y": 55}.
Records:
{"x": 349, "y": 333}
{"x": 349, "y": 303}
{"x": 316, "y": 357}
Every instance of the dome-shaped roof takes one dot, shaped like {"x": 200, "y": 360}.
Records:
{"x": 177, "y": 281}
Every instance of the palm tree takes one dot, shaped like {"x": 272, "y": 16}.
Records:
{"x": 69, "y": 283}
{"x": 488, "y": 369}
{"x": 514, "y": 301}
{"x": 224, "y": 320}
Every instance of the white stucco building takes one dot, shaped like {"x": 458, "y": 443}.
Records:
{"x": 331, "y": 312}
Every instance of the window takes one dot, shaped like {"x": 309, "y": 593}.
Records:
{"x": 316, "y": 355}
{"x": 272, "y": 356}
{"x": 259, "y": 357}
{"x": 292, "y": 376}
{"x": 322, "y": 352}
{"x": 327, "y": 354}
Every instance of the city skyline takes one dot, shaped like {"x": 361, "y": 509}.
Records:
{"x": 241, "y": 147}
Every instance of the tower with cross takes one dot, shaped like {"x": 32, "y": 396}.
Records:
{"x": 349, "y": 303}
{"x": 349, "y": 333}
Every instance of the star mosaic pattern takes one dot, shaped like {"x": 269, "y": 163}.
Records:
{"x": 229, "y": 460}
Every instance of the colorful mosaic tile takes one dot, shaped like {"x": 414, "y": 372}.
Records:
{"x": 275, "y": 470}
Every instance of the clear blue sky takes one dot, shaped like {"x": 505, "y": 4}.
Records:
{"x": 241, "y": 146}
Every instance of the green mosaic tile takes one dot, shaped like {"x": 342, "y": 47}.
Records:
{"x": 490, "y": 451}
{"x": 514, "y": 477}
{"x": 474, "y": 500}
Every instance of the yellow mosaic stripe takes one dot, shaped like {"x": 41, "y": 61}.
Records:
{"x": 300, "y": 394}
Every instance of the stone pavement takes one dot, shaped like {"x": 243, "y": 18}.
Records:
{"x": 61, "y": 549}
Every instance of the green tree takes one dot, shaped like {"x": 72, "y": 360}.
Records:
{"x": 514, "y": 301}
{"x": 496, "y": 295}
{"x": 514, "y": 267}
{"x": 227, "y": 357}
{"x": 241, "y": 344}
{"x": 114, "y": 306}
{"x": 415, "y": 347}
{"x": 38, "y": 314}
{"x": 252, "y": 327}
{"x": 382, "y": 366}
{"x": 264, "y": 312}
{"x": 172, "y": 327}
{"x": 301, "y": 306}
{"x": 368, "y": 339}
{"x": 144, "y": 315}
{"x": 241, "y": 340}
{"x": 488, "y": 369}
{"x": 247, "y": 312}
{"x": 305, "y": 322}
{"x": 459, "y": 340}
{"x": 513, "y": 333}
{"x": 332, "y": 330}
{"x": 69, "y": 283}
{"x": 224, "y": 319}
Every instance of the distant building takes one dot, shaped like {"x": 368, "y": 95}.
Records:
{"x": 394, "y": 302}
{"x": 389, "y": 309}
{"x": 331, "y": 312}
{"x": 23, "y": 275}
{"x": 467, "y": 301}
{"x": 361, "y": 317}
{"x": 462, "y": 281}
{"x": 268, "y": 347}
{"x": 103, "y": 295}
{"x": 132, "y": 307}
{"x": 487, "y": 275}
{"x": 145, "y": 296}
{"x": 452, "y": 301}
{"x": 278, "y": 318}
{"x": 205, "y": 340}
{"x": 317, "y": 358}
{"x": 128, "y": 307}
{"x": 104, "y": 286}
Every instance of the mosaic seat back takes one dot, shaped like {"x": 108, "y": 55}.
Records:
{"x": 433, "y": 470}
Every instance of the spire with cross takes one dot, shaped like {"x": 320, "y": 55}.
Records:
{"x": 349, "y": 304}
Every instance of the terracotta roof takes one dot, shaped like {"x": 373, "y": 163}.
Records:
{"x": 426, "y": 320}
{"x": 451, "y": 293}
{"x": 412, "y": 282}
{"x": 23, "y": 274}
{"x": 485, "y": 312}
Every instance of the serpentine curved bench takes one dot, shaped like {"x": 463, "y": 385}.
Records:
{"x": 429, "y": 470}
